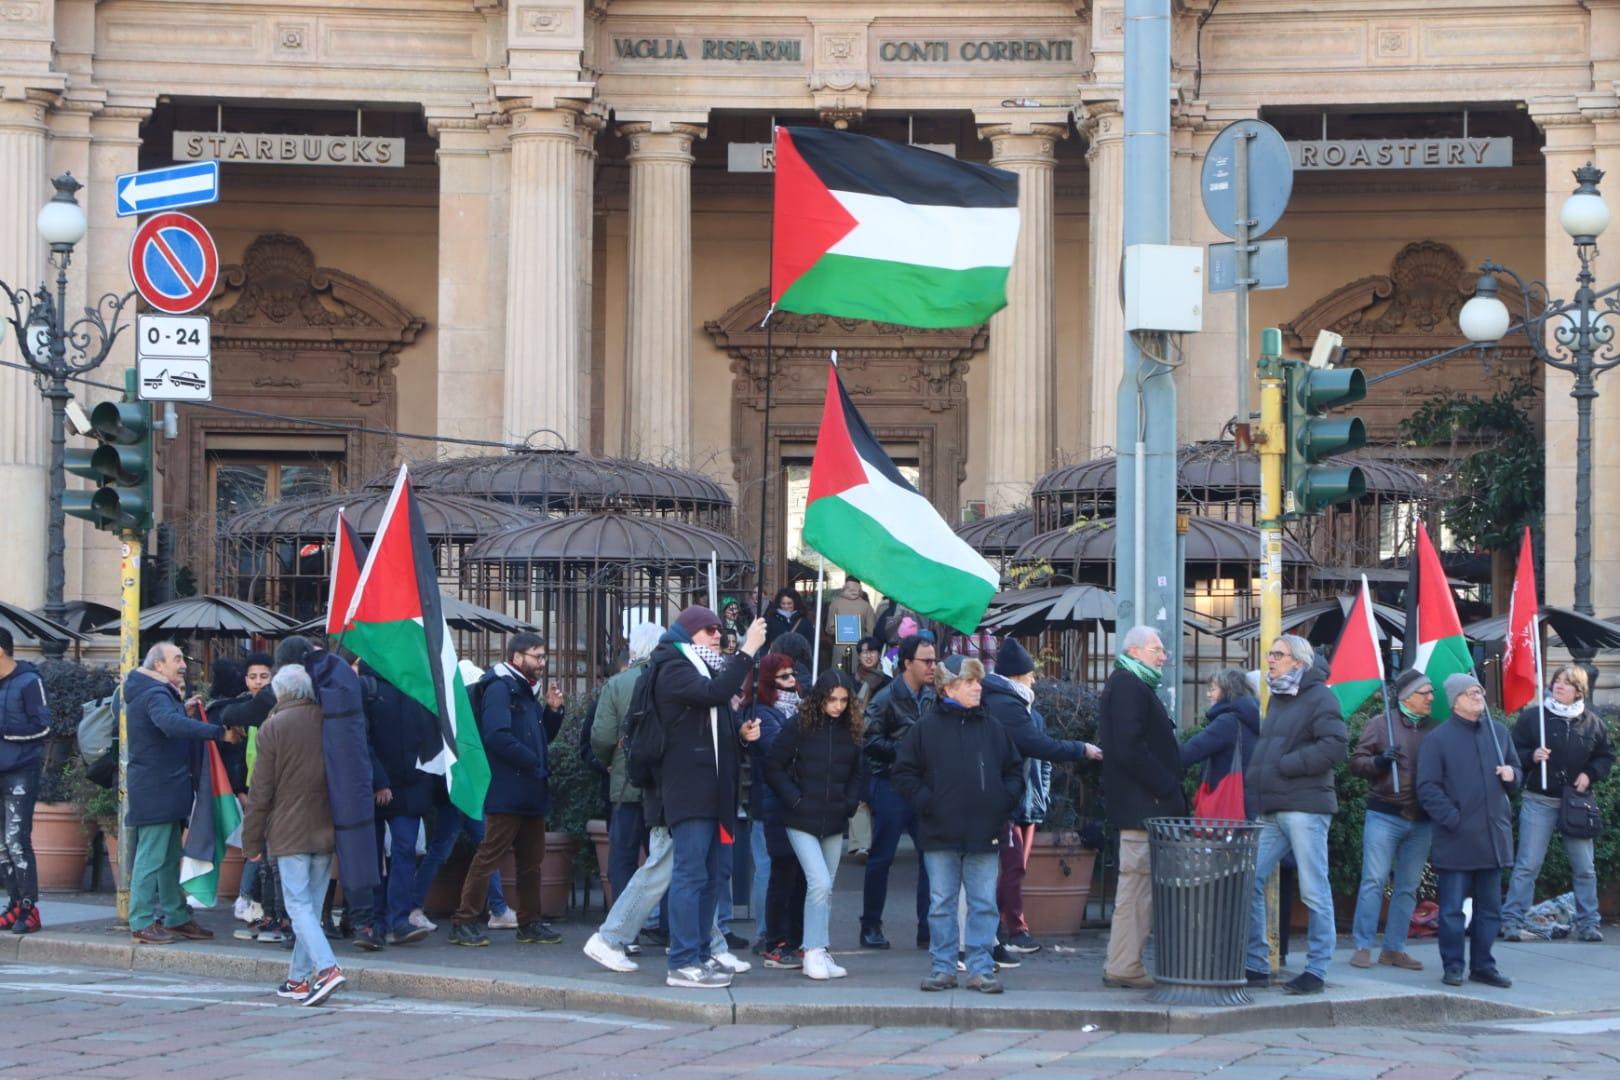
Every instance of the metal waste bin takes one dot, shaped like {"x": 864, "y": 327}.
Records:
{"x": 1203, "y": 883}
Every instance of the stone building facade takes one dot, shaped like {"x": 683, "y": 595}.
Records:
{"x": 549, "y": 221}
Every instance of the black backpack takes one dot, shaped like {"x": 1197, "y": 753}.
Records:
{"x": 644, "y": 736}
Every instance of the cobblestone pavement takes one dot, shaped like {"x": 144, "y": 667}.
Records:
{"x": 74, "y": 1021}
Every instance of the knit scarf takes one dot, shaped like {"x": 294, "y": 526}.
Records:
{"x": 1146, "y": 672}
{"x": 1416, "y": 720}
{"x": 1286, "y": 683}
{"x": 1571, "y": 711}
{"x": 1026, "y": 694}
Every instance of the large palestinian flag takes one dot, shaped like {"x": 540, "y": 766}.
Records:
{"x": 216, "y": 822}
{"x": 1434, "y": 642}
{"x": 865, "y": 228}
{"x": 864, "y": 516}
{"x": 395, "y": 623}
{"x": 1356, "y": 671}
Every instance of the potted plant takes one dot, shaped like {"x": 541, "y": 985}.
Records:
{"x": 578, "y": 797}
{"x": 61, "y": 839}
{"x": 1057, "y": 885}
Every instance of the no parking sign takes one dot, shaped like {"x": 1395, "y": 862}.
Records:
{"x": 173, "y": 262}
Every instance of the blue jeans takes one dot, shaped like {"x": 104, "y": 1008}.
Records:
{"x": 694, "y": 891}
{"x": 303, "y": 888}
{"x": 448, "y": 827}
{"x": 1306, "y": 836}
{"x": 819, "y": 856}
{"x": 948, "y": 873}
{"x": 1451, "y": 888}
{"x": 642, "y": 893}
{"x": 402, "y": 830}
{"x": 762, "y": 875}
{"x": 1389, "y": 842}
{"x": 250, "y": 878}
{"x": 627, "y": 835}
{"x": 891, "y": 815}
{"x": 1538, "y": 820}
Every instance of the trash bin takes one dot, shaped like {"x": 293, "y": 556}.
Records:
{"x": 1203, "y": 882}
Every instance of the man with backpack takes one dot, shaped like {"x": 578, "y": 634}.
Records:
{"x": 516, "y": 731}
{"x": 24, "y": 724}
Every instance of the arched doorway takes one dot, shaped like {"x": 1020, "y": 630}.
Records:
{"x": 908, "y": 383}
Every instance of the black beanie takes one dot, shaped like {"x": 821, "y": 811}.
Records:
{"x": 1013, "y": 659}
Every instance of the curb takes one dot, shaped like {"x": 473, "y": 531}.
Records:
{"x": 1044, "y": 1010}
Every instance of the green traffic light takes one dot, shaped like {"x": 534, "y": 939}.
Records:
{"x": 1311, "y": 487}
{"x": 121, "y": 465}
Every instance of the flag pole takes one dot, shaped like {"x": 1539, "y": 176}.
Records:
{"x": 815, "y": 652}
{"x": 765, "y": 442}
{"x": 1541, "y": 691}
{"x": 1389, "y": 718}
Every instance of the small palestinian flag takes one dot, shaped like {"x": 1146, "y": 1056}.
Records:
{"x": 865, "y": 517}
{"x": 1434, "y": 637}
{"x": 870, "y": 229}
{"x": 395, "y": 623}
{"x": 216, "y": 823}
{"x": 348, "y": 554}
{"x": 1357, "y": 670}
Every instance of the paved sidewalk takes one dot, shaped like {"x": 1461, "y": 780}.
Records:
{"x": 1059, "y": 988}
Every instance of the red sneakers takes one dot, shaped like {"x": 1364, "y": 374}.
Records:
{"x": 296, "y": 990}
{"x": 27, "y": 920}
{"x": 8, "y": 918}
{"x": 321, "y": 987}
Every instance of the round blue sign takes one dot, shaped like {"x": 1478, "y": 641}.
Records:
{"x": 1270, "y": 175}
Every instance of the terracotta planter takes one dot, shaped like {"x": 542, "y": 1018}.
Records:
{"x": 1058, "y": 884}
{"x": 597, "y": 831}
{"x": 61, "y": 846}
{"x": 230, "y": 874}
{"x": 556, "y": 874}
{"x": 110, "y": 840}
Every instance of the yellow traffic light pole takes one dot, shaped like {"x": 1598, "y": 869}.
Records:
{"x": 1272, "y": 443}
{"x": 129, "y": 646}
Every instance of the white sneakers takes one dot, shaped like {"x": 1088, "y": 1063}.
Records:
{"x": 417, "y": 918}
{"x": 819, "y": 965}
{"x": 506, "y": 920}
{"x": 731, "y": 963}
{"x": 599, "y": 949}
{"x": 246, "y": 910}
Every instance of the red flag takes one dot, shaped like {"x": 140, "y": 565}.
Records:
{"x": 1520, "y": 683}
{"x": 348, "y": 554}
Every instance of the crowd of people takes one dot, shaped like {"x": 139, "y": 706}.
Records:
{"x": 715, "y": 725}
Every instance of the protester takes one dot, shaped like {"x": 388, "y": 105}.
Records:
{"x": 850, "y": 601}
{"x": 891, "y": 713}
{"x": 1141, "y": 780}
{"x": 1395, "y": 833}
{"x": 959, "y": 770}
{"x": 402, "y": 734}
{"x": 25, "y": 722}
{"x": 787, "y": 616}
{"x": 627, "y": 826}
{"x": 161, "y": 731}
{"x": 289, "y": 815}
{"x": 697, "y": 780}
{"x": 516, "y": 732}
{"x": 796, "y": 648}
{"x": 1009, "y": 696}
{"x": 774, "y": 703}
{"x": 1465, "y": 775}
{"x": 226, "y": 709}
{"x": 449, "y": 825}
{"x": 869, "y": 669}
{"x": 1577, "y": 754}
{"x": 734, "y": 617}
{"x": 814, "y": 766}
{"x": 1302, "y": 740}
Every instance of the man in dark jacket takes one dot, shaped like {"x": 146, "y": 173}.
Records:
{"x": 1466, "y": 772}
{"x": 402, "y": 734}
{"x": 891, "y": 713}
{"x": 1395, "y": 833}
{"x": 1009, "y": 696}
{"x": 24, "y": 724}
{"x": 695, "y": 791}
{"x": 959, "y": 770}
{"x": 1141, "y": 780}
{"x": 516, "y": 731}
{"x": 161, "y": 732}
{"x": 1302, "y": 740}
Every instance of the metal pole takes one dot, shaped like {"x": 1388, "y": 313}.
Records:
{"x": 57, "y": 394}
{"x": 1584, "y": 392}
{"x": 1272, "y": 453}
{"x": 1240, "y": 335}
{"x": 129, "y": 645}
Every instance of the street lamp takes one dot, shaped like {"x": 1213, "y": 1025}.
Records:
{"x": 1584, "y": 340}
{"x": 57, "y": 350}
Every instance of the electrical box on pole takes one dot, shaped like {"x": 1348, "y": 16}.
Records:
{"x": 1310, "y": 487}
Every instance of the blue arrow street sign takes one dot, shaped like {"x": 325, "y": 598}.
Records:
{"x": 167, "y": 189}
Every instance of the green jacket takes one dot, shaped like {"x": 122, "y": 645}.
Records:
{"x": 612, "y": 710}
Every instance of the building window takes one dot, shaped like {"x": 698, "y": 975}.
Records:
{"x": 288, "y": 576}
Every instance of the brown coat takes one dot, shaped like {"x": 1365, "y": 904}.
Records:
{"x": 288, "y": 808}
{"x": 1381, "y": 792}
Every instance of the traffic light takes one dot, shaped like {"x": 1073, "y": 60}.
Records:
{"x": 1309, "y": 487}
{"x": 121, "y": 465}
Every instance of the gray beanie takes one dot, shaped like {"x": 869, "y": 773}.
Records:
{"x": 1410, "y": 682}
{"x": 1457, "y": 685}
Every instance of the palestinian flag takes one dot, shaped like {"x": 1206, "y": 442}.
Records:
{"x": 348, "y": 553}
{"x": 865, "y": 228}
{"x": 1434, "y": 642}
{"x": 865, "y": 517}
{"x": 1357, "y": 668}
{"x": 395, "y": 623}
{"x": 216, "y": 822}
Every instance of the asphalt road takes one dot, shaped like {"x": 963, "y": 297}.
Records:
{"x": 75, "y": 1021}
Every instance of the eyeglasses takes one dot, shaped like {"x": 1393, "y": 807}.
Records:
{"x": 533, "y": 655}
{"x": 1425, "y": 693}
{"x": 927, "y": 662}
{"x": 1279, "y": 654}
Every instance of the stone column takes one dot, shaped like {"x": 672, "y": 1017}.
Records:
{"x": 1103, "y": 125}
{"x": 1023, "y": 340}
{"x": 542, "y": 289}
{"x": 658, "y": 338}
{"x": 23, "y": 450}
{"x": 591, "y": 122}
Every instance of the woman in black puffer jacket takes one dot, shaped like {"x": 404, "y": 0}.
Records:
{"x": 817, "y": 769}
